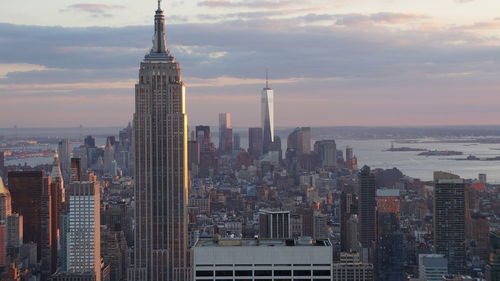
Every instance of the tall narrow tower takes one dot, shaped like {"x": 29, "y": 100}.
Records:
{"x": 267, "y": 114}
{"x": 161, "y": 194}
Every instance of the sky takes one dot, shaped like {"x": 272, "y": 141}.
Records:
{"x": 66, "y": 63}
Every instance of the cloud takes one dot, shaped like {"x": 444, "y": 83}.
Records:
{"x": 316, "y": 69}
{"x": 94, "y": 10}
{"x": 7, "y": 68}
{"x": 254, "y": 4}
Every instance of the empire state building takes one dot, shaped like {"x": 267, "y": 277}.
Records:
{"x": 161, "y": 187}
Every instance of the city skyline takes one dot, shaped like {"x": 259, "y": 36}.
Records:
{"x": 380, "y": 63}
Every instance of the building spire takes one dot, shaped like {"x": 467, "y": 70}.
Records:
{"x": 267, "y": 78}
{"x": 159, "y": 50}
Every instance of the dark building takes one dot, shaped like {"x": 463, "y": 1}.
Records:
{"x": 348, "y": 207}
{"x": 114, "y": 253}
{"x": 389, "y": 265}
{"x": 274, "y": 224}
{"x": 204, "y": 137}
{"x": 236, "y": 142}
{"x": 225, "y": 134}
{"x": 493, "y": 267}
{"x": 76, "y": 170}
{"x": 2, "y": 164}
{"x": 300, "y": 140}
{"x": 193, "y": 155}
{"x": 367, "y": 211}
{"x": 255, "y": 142}
{"x": 31, "y": 198}
{"x": 449, "y": 222}
{"x": 89, "y": 141}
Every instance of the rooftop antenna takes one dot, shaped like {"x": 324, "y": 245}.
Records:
{"x": 159, "y": 4}
{"x": 267, "y": 78}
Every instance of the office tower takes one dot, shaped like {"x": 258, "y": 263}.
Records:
{"x": 57, "y": 195}
{"x": 493, "y": 267}
{"x": 114, "y": 253}
{"x": 5, "y": 212}
{"x": 225, "y": 134}
{"x": 449, "y": 222}
{"x": 327, "y": 151}
{"x": 2, "y": 164}
{"x": 83, "y": 235}
{"x": 237, "y": 142}
{"x": 477, "y": 235}
{"x": 367, "y": 212}
{"x": 89, "y": 141}
{"x": 274, "y": 224}
{"x": 351, "y": 162}
{"x": 300, "y": 140}
{"x": 64, "y": 151}
{"x": 109, "y": 157}
{"x": 350, "y": 268}
{"x": 255, "y": 142}
{"x": 348, "y": 208}
{"x": 204, "y": 137}
{"x": 14, "y": 233}
{"x": 260, "y": 259}
{"x": 31, "y": 198}
{"x": 161, "y": 166}
{"x": 267, "y": 118}
{"x": 388, "y": 201}
{"x": 76, "y": 170}
{"x": 432, "y": 267}
{"x": 389, "y": 264}
{"x": 348, "y": 154}
{"x": 482, "y": 177}
{"x": 193, "y": 156}
{"x": 320, "y": 226}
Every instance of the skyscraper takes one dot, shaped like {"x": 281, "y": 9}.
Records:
{"x": 267, "y": 115}
{"x": 31, "y": 198}
{"x": 327, "y": 151}
{"x": 56, "y": 207}
{"x": 2, "y": 164}
{"x": 83, "y": 236}
{"x": 449, "y": 222}
{"x": 225, "y": 134}
{"x": 348, "y": 208}
{"x": 5, "y": 212}
{"x": 367, "y": 212}
{"x": 255, "y": 142}
{"x": 64, "y": 150}
{"x": 161, "y": 180}
{"x": 300, "y": 140}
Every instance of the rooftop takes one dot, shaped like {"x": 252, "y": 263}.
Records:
{"x": 236, "y": 242}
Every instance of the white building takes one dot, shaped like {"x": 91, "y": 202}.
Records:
{"x": 83, "y": 236}
{"x": 432, "y": 267}
{"x": 254, "y": 259}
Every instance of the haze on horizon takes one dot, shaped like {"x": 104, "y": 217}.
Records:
{"x": 356, "y": 62}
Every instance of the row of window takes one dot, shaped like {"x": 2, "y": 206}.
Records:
{"x": 295, "y": 279}
{"x": 230, "y": 273}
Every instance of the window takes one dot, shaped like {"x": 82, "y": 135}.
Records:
{"x": 243, "y": 273}
{"x": 321, "y": 272}
{"x": 282, "y": 273}
{"x": 263, "y": 273}
{"x": 301, "y": 273}
{"x": 201, "y": 273}
{"x": 224, "y": 273}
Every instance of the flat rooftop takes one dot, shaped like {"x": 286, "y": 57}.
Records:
{"x": 228, "y": 242}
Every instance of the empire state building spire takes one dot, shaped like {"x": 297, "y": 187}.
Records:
{"x": 159, "y": 49}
